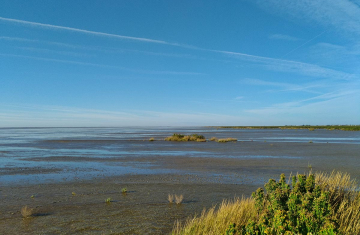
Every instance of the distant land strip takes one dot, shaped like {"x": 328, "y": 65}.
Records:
{"x": 309, "y": 127}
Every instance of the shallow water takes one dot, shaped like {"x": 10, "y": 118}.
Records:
{"x": 33, "y": 155}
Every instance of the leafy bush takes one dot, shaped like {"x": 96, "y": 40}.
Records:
{"x": 301, "y": 208}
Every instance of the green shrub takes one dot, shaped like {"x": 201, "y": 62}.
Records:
{"x": 301, "y": 208}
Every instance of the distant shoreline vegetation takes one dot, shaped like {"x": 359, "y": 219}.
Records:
{"x": 309, "y": 127}
{"x": 180, "y": 137}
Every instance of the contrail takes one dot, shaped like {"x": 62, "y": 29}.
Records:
{"x": 303, "y": 44}
{"x": 83, "y": 31}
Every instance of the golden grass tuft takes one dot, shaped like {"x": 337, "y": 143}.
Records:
{"x": 213, "y": 139}
{"x": 171, "y": 198}
{"x": 180, "y": 137}
{"x": 227, "y": 140}
{"x": 27, "y": 212}
{"x": 179, "y": 199}
{"x": 214, "y": 221}
{"x": 152, "y": 139}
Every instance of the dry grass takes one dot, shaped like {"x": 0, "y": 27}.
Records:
{"x": 179, "y": 199}
{"x": 26, "y": 212}
{"x": 344, "y": 196}
{"x": 179, "y": 137}
{"x": 171, "y": 198}
{"x": 214, "y": 221}
{"x": 213, "y": 139}
{"x": 151, "y": 139}
{"x": 226, "y": 140}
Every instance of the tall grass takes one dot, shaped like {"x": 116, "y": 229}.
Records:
{"x": 344, "y": 197}
{"x": 216, "y": 221}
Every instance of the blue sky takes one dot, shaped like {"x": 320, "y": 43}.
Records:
{"x": 179, "y": 63}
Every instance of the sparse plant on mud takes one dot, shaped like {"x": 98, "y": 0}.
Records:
{"x": 108, "y": 200}
{"x": 27, "y": 212}
{"x": 124, "y": 190}
{"x": 179, "y": 199}
{"x": 170, "y": 198}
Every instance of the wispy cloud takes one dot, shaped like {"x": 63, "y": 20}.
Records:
{"x": 268, "y": 62}
{"x": 102, "y": 65}
{"x": 283, "y": 37}
{"x": 285, "y": 86}
{"x": 102, "y": 49}
{"x": 342, "y": 15}
{"x": 300, "y": 106}
{"x": 48, "y": 115}
{"x": 291, "y": 66}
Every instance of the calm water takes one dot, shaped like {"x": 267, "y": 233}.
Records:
{"x": 62, "y": 154}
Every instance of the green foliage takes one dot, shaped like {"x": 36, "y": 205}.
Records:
{"x": 299, "y": 208}
{"x": 231, "y": 230}
{"x": 108, "y": 200}
{"x": 124, "y": 190}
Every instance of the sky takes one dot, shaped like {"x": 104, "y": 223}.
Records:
{"x": 179, "y": 63}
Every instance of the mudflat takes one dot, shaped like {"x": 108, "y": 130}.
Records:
{"x": 67, "y": 180}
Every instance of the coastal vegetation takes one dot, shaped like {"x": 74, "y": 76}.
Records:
{"x": 306, "y": 204}
{"x": 226, "y": 140}
{"x": 180, "y": 137}
{"x": 309, "y": 127}
{"x": 27, "y": 212}
{"x": 178, "y": 199}
{"x": 223, "y": 140}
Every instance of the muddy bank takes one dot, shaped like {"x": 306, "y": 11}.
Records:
{"x": 80, "y": 208}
